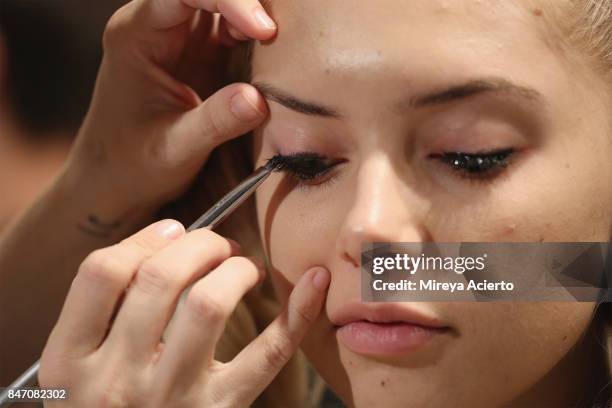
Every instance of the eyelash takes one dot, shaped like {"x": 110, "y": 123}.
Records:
{"x": 482, "y": 166}
{"x": 307, "y": 168}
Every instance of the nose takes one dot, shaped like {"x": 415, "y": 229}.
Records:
{"x": 386, "y": 209}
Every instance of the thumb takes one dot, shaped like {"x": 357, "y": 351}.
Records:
{"x": 228, "y": 113}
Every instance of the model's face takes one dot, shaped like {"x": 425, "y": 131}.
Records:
{"x": 379, "y": 73}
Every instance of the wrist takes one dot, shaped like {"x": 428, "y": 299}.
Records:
{"x": 97, "y": 206}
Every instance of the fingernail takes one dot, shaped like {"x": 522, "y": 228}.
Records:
{"x": 263, "y": 19}
{"x": 320, "y": 279}
{"x": 243, "y": 108}
{"x": 169, "y": 229}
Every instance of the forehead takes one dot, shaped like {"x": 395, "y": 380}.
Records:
{"x": 355, "y": 36}
{"x": 302, "y": 17}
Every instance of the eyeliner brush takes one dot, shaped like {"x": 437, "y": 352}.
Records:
{"x": 226, "y": 205}
{"x": 210, "y": 219}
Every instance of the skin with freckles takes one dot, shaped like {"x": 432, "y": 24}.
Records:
{"x": 384, "y": 90}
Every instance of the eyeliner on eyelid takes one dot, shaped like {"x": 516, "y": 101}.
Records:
{"x": 306, "y": 166}
{"x": 310, "y": 169}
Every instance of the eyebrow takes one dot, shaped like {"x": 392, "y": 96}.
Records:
{"x": 445, "y": 96}
{"x": 293, "y": 103}
{"x": 471, "y": 88}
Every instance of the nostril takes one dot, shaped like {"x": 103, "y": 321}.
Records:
{"x": 350, "y": 259}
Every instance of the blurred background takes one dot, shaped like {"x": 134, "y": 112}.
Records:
{"x": 50, "y": 51}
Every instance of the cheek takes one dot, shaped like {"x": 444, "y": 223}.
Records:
{"x": 540, "y": 333}
{"x": 548, "y": 196}
{"x": 538, "y": 324}
{"x": 296, "y": 233}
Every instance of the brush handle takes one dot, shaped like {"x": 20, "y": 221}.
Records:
{"x": 210, "y": 219}
{"x": 226, "y": 205}
{"x": 27, "y": 379}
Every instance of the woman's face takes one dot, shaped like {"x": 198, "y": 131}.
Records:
{"x": 381, "y": 90}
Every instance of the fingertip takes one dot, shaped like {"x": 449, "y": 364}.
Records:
{"x": 263, "y": 19}
{"x": 168, "y": 228}
{"x": 248, "y": 105}
{"x": 255, "y": 98}
{"x": 261, "y": 267}
{"x": 307, "y": 299}
{"x": 254, "y": 22}
{"x": 321, "y": 278}
{"x": 236, "y": 248}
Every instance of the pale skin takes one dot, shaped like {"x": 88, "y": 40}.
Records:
{"x": 371, "y": 189}
{"x": 389, "y": 188}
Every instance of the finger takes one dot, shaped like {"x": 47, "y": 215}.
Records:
{"x": 224, "y": 36}
{"x": 247, "y": 15}
{"x": 157, "y": 285}
{"x": 228, "y": 113}
{"x": 100, "y": 282}
{"x": 200, "y": 322}
{"x": 235, "y": 33}
{"x": 261, "y": 361}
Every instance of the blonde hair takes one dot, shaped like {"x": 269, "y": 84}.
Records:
{"x": 589, "y": 29}
{"x": 586, "y": 26}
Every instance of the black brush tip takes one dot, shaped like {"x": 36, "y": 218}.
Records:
{"x": 276, "y": 163}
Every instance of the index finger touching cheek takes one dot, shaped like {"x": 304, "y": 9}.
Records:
{"x": 262, "y": 360}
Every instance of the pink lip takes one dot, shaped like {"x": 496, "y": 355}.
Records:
{"x": 384, "y": 329}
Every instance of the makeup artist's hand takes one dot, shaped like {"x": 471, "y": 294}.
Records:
{"x": 158, "y": 108}
{"x": 121, "y": 362}
{"x": 157, "y": 112}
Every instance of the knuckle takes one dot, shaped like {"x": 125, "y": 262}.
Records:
{"x": 104, "y": 267}
{"x": 241, "y": 262}
{"x": 50, "y": 371}
{"x": 305, "y": 313}
{"x": 205, "y": 233}
{"x": 115, "y": 27}
{"x": 212, "y": 241}
{"x": 110, "y": 394}
{"x": 164, "y": 154}
{"x": 213, "y": 123}
{"x": 204, "y": 307}
{"x": 278, "y": 351}
{"x": 143, "y": 244}
{"x": 245, "y": 266}
{"x": 153, "y": 278}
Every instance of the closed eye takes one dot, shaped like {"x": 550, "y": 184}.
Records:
{"x": 484, "y": 165}
{"x": 307, "y": 167}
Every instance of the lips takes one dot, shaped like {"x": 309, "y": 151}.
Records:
{"x": 384, "y": 329}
